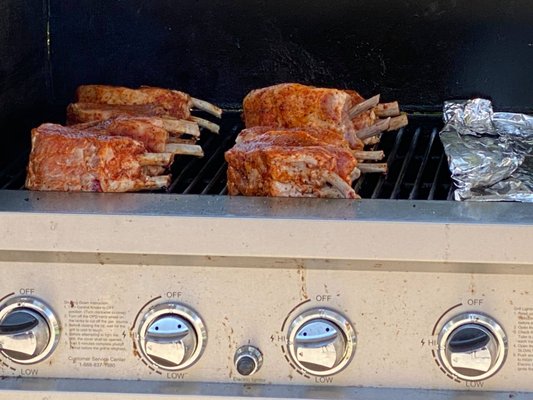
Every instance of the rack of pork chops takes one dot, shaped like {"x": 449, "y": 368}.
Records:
{"x": 303, "y": 141}
{"x": 117, "y": 140}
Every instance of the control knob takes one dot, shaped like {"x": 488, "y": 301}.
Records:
{"x": 172, "y": 336}
{"x": 29, "y": 330}
{"x": 321, "y": 342}
{"x": 472, "y": 346}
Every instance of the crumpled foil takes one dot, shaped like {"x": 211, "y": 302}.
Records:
{"x": 490, "y": 154}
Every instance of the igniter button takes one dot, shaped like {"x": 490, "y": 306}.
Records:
{"x": 248, "y": 360}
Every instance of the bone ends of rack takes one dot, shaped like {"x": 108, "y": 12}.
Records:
{"x": 163, "y": 159}
{"x": 364, "y": 106}
{"x": 384, "y": 110}
{"x": 340, "y": 185}
{"x": 182, "y": 140}
{"x": 373, "y": 168}
{"x": 207, "y": 107}
{"x": 398, "y": 122}
{"x": 180, "y": 126}
{"x": 369, "y": 155}
{"x": 356, "y": 174}
{"x": 206, "y": 124}
{"x": 184, "y": 149}
{"x": 374, "y": 130}
{"x": 156, "y": 182}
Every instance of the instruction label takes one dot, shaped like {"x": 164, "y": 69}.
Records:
{"x": 523, "y": 346}
{"x": 95, "y": 326}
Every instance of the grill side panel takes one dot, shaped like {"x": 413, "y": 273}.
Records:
{"x": 23, "y": 75}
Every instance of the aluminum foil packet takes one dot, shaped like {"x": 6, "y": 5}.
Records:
{"x": 490, "y": 154}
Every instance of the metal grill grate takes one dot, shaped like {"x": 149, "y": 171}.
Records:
{"x": 417, "y": 165}
{"x": 418, "y": 169}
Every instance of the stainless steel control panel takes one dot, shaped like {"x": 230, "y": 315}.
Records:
{"x": 287, "y": 322}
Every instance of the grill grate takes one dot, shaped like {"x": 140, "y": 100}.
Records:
{"x": 418, "y": 168}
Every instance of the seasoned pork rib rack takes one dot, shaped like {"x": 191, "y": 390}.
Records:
{"x": 67, "y": 159}
{"x": 160, "y": 102}
{"x": 294, "y": 136}
{"x": 313, "y": 137}
{"x": 291, "y": 163}
{"x": 151, "y": 131}
{"x": 292, "y": 105}
{"x": 78, "y": 113}
{"x": 304, "y": 141}
{"x": 119, "y": 139}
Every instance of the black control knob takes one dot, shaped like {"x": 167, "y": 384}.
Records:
{"x": 472, "y": 346}
{"x": 24, "y": 335}
{"x": 29, "y": 330}
{"x": 248, "y": 360}
{"x": 19, "y": 321}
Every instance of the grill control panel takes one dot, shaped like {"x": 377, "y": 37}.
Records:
{"x": 309, "y": 326}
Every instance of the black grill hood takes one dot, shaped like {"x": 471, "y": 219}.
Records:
{"x": 419, "y": 52}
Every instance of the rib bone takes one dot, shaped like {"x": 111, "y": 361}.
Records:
{"x": 398, "y": 122}
{"x": 364, "y": 106}
{"x": 157, "y": 182}
{"x": 371, "y": 141}
{"x": 373, "y": 167}
{"x": 163, "y": 159}
{"x": 154, "y": 170}
{"x": 206, "y": 124}
{"x": 181, "y": 126}
{"x": 369, "y": 155}
{"x": 356, "y": 173}
{"x": 177, "y": 139}
{"x": 373, "y": 130}
{"x": 207, "y": 107}
{"x": 384, "y": 110}
{"x": 333, "y": 193}
{"x": 187, "y": 149}
{"x": 338, "y": 183}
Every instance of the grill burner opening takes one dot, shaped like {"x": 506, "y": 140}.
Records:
{"x": 418, "y": 169}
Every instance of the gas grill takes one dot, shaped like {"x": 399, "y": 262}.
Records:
{"x": 190, "y": 293}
